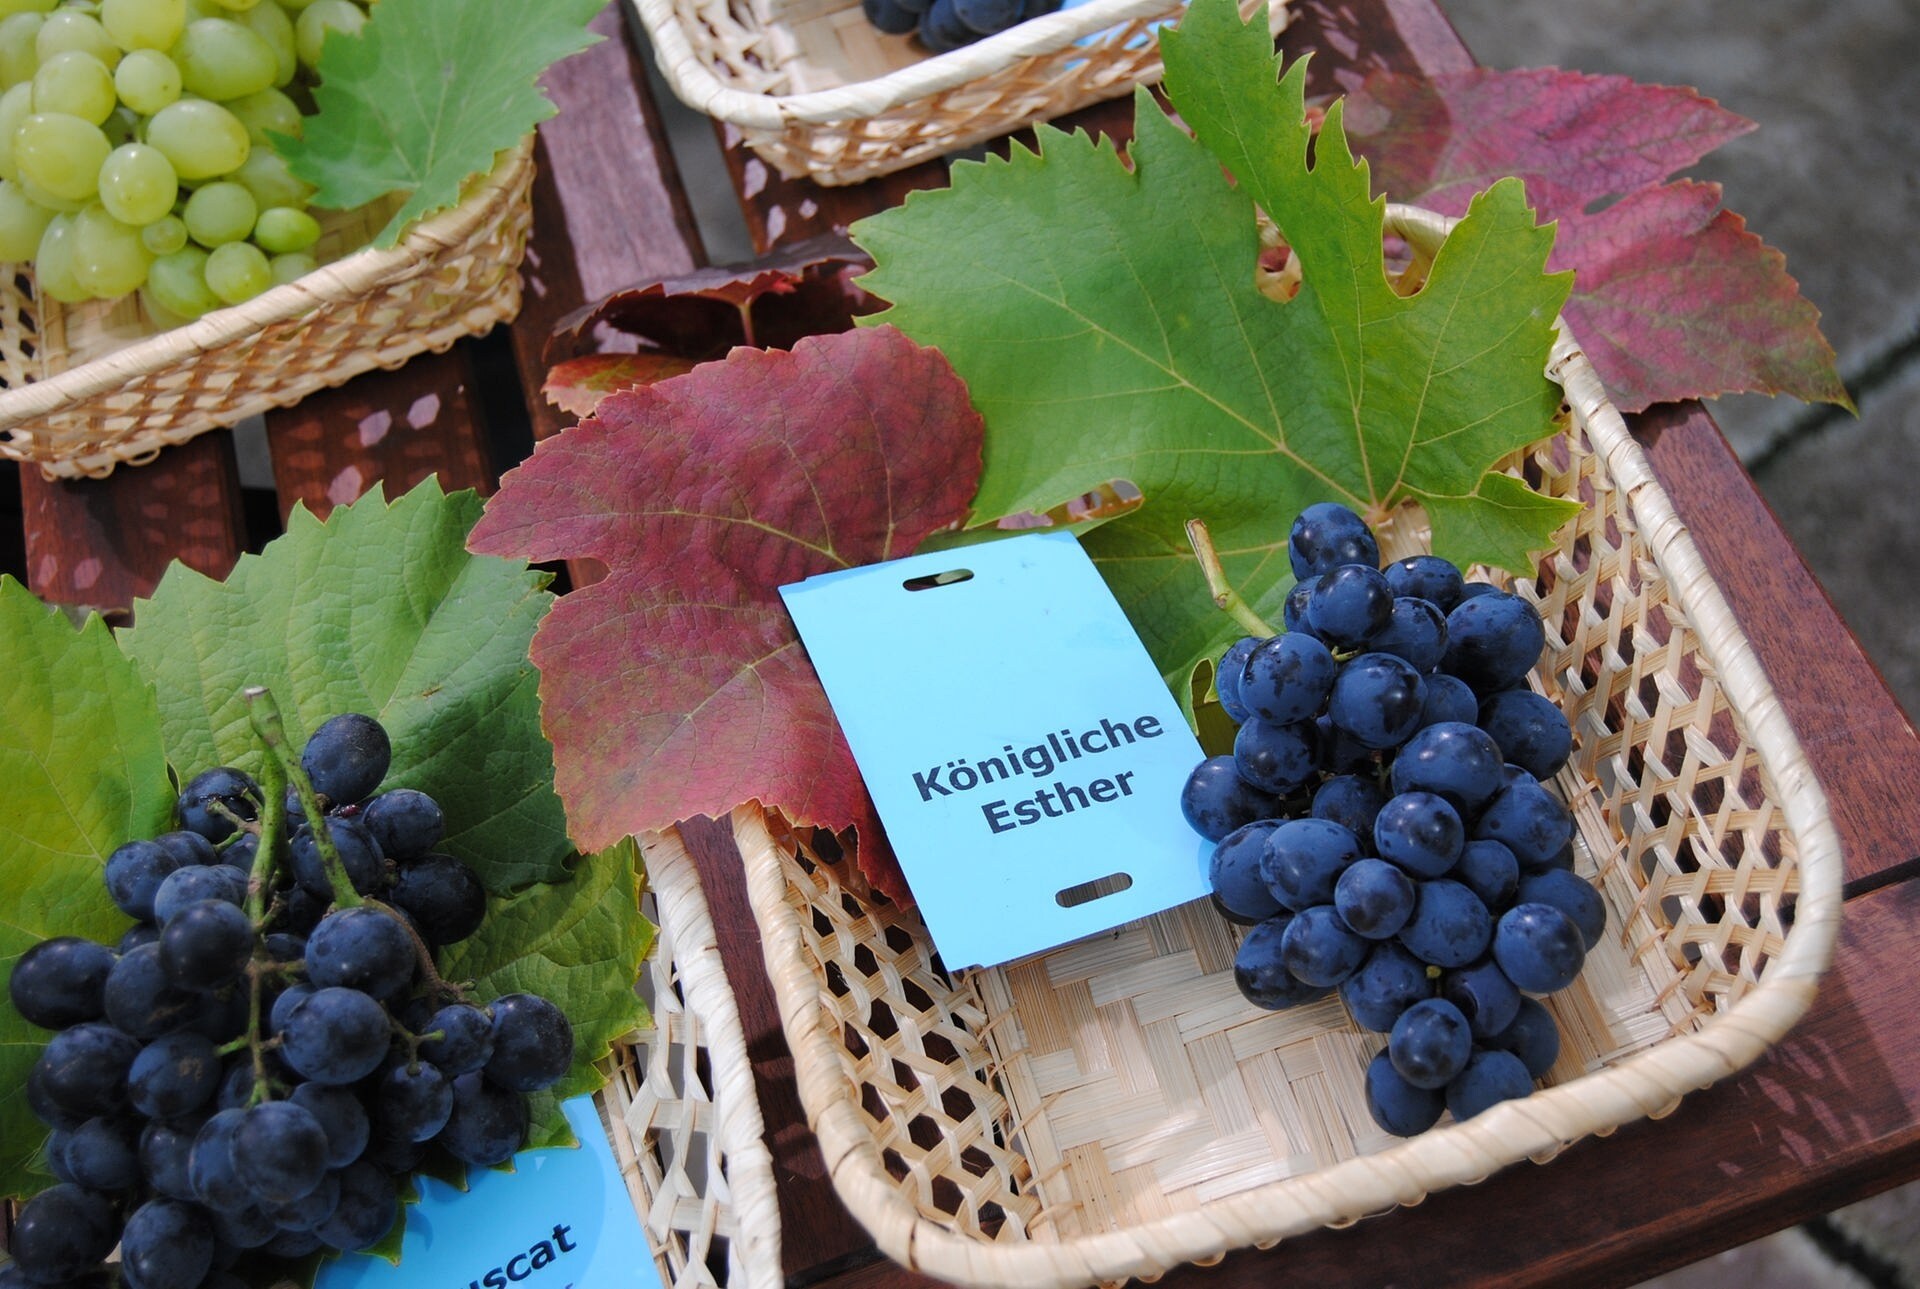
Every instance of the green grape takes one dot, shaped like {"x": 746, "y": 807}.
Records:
{"x": 60, "y": 155}
{"x": 266, "y": 176}
{"x": 73, "y": 29}
{"x": 10, "y": 7}
{"x": 137, "y": 184}
{"x": 281, "y": 230}
{"x": 162, "y": 318}
{"x": 109, "y": 259}
{"x": 267, "y": 110}
{"x": 165, "y": 235}
{"x": 75, "y": 83}
{"x": 220, "y": 59}
{"x": 22, "y": 223}
{"x": 53, "y": 262}
{"x": 294, "y": 6}
{"x": 202, "y": 139}
{"x": 144, "y": 24}
{"x": 16, "y": 105}
{"x": 123, "y": 126}
{"x": 291, "y": 268}
{"x": 220, "y": 213}
{"x": 239, "y": 6}
{"x": 178, "y": 283}
{"x": 238, "y": 271}
{"x": 147, "y": 80}
{"x": 18, "y": 57}
{"x": 41, "y": 197}
{"x": 317, "y": 19}
{"x": 271, "y": 24}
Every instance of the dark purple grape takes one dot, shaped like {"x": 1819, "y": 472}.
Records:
{"x": 1473, "y": 590}
{"x": 191, "y": 885}
{"x": 1293, "y": 612}
{"x": 291, "y": 1246}
{"x": 1419, "y": 831}
{"x": 1287, "y": 678}
{"x": 1319, "y": 949}
{"x": 1351, "y": 800}
{"x": 1490, "y": 1077}
{"x": 190, "y": 847}
{"x": 1528, "y": 820}
{"x": 206, "y": 945}
{"x": 412, "y": 1100}
{"x": 1493, "y": 641}
{"x": 340, "y": 1116}
{"x": 1377, "y": 699}
{"x": 142, "y": 1002}
{"x": 307, "y": 1212}
{"x": 1416, "y": 630}
{"x": 1303, "y": 860}
{"x": 1484, "y": 996}
{"x": 1387, "y": 983}
{"x": 243, "y": 1228}
{"x": 212, "y": 792}
{"x": 941, "y": 30}
{"x": 362, "y": 948}
{"x": 133, "y": 875}
{"x": 1260, "y": 972}
{"x": 1430, "y": 1043}
{"x": 1350, "y": 605}
{"x": 1490, "y": 871}
{"x": 136, "y": 935}
{"x": 279, "y": 1152}
{"x": 889, "y": 17}
{"x": 166, "y": 1245}
{"x": 1226, "y": 677}
{"x": 360, "y": 856}
{"x": 1539, "y": 947}
{"x": 61, "y": 982}
{"x": 532, "y": 1043}
{"x": 1531, "y": 730}
{"x": 1276, "y": 758}
{"x": 164, "y": 1147}
{"x": 1573, "y": 896}
{"x": 1426, "y": 577}
{"x": 1326, "y": 535}
{"x": 83, "y": 1069}
{"x": 488, "y": 1122}
{"x": 347, "y": 757}
{"x": 62, "y": 1233}
{"x": 1340, "y": 752}
{"x": 1396, "y": 1105}
{"x": 1215, "y": 799}
{"x": 103, "y": 1154}
{"x": 335, "y": 1036}
{"x": 443, "y": 896}
{"x": 283, "y": 1006}
{"x": 240, "y": 852}
{"x": 404, "y": 822}
{"x": 174, "y": 1075}
{"x": 210, "y": 1169}
{"x": 1450, "y": 927}
{"x": 1447, "y": 698}
{"x": 1532, "y": 1036}
{"x": 1233, "y": 870}
{"x": 1455, "y": 760}
{"x": 369, "y": 1201}
{"x": 1373, "y": 898}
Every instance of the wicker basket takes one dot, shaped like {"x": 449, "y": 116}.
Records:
{"x": 812, "y": 87}
{"x": 85, "y": 388}
{"x": 1114, "y": 1108}
{"x": 685, "y": 1123}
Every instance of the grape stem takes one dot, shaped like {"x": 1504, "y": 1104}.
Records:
{"x": 1224, "y": 596}
{"x": 282, "y": 768}
{"x": 437, "y": 984}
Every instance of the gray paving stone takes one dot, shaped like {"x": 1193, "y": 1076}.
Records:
{"x": 1788, "y": 1260}
{"x": 1831, "y": 177}
{"x": 1888, "y": 1227}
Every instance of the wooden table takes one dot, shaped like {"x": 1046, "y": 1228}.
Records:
{"x": 1831, "y": 1116}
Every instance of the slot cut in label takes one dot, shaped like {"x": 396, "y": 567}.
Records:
{"x": 1020, "y": 745}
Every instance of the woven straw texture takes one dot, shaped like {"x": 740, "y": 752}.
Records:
{"x": 812, "y": 87}
{"x": 84, "y": 388}
{"x": 1114, "y": 1108}
{"x": 687, "y": 1128}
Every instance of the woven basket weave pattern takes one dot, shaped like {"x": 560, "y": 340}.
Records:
{"x": 813, "y": 89}
{"x": 1114, "y": 1108}
{"x": 87, "y": 389}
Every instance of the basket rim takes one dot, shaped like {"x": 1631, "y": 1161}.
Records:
{"x": 342, "y": 281}
{"x": 1647, "y": 1084}
{"x": 692, "y": 79}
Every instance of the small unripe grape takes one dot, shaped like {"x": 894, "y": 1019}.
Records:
{"x": 109, "y": 259}
{"x": 238, "y": 271}
{"x": 220, "y": 213}
{"x": 178, "y": 283}
{"x": 317, "y": 19}
{"x": 282, "y": 230}
{"x": 137, "y": 184}
{"x": 203, "y": 140}
{"x": 147, "y": 80}
{"x": 77, "y": 83}
{"x": 291, "y": 268}
{"x": 165, "y": 235}
{"x": 53, "y": 262}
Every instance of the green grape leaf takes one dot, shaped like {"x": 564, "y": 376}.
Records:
{"x": 579, "y": 944}
{"x": 1107, "y": 322}
{"x": 378, "y": 609}
{"x": 424, "y": 97}
{"x": 82, "y": 770}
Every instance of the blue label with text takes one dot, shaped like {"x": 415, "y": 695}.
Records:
{"x": 563, "y": 1219}
{"x": 1020, "y": 745}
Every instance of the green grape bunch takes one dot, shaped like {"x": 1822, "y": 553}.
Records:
{"x": 136, "y": 151}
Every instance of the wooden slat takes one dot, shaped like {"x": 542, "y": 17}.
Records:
{"x": 102, "y": 542}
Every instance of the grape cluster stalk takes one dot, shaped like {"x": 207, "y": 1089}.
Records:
{"x": 269, "y": 1050}
{"x": 1384, "y": 825}
{"x": 136, "y": 146}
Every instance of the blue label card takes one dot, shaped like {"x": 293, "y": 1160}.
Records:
{"x": 562, "y": 1220}
{"x": 1019, "y": 743}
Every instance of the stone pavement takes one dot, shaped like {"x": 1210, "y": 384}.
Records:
{"x": 1832, "y": 178}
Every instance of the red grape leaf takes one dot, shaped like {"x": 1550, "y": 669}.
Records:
{"x": 676, "y": 686}
{"x": 577, "y": 385}
{"x": 805, "y": 290}
{"x": 1671, "y": 299}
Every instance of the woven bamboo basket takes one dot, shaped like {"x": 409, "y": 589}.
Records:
{"x": 680, "y": 1104}
{"x": 85, "y": 388}
{"x": 1114, "y": 1108}
{"x": 811, "y": 87}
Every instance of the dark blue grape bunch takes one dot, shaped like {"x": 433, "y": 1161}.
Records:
{"x": 944, "y": 25}
{"x": 1384, "y": 825}
{"x": 178, "y": 1137}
